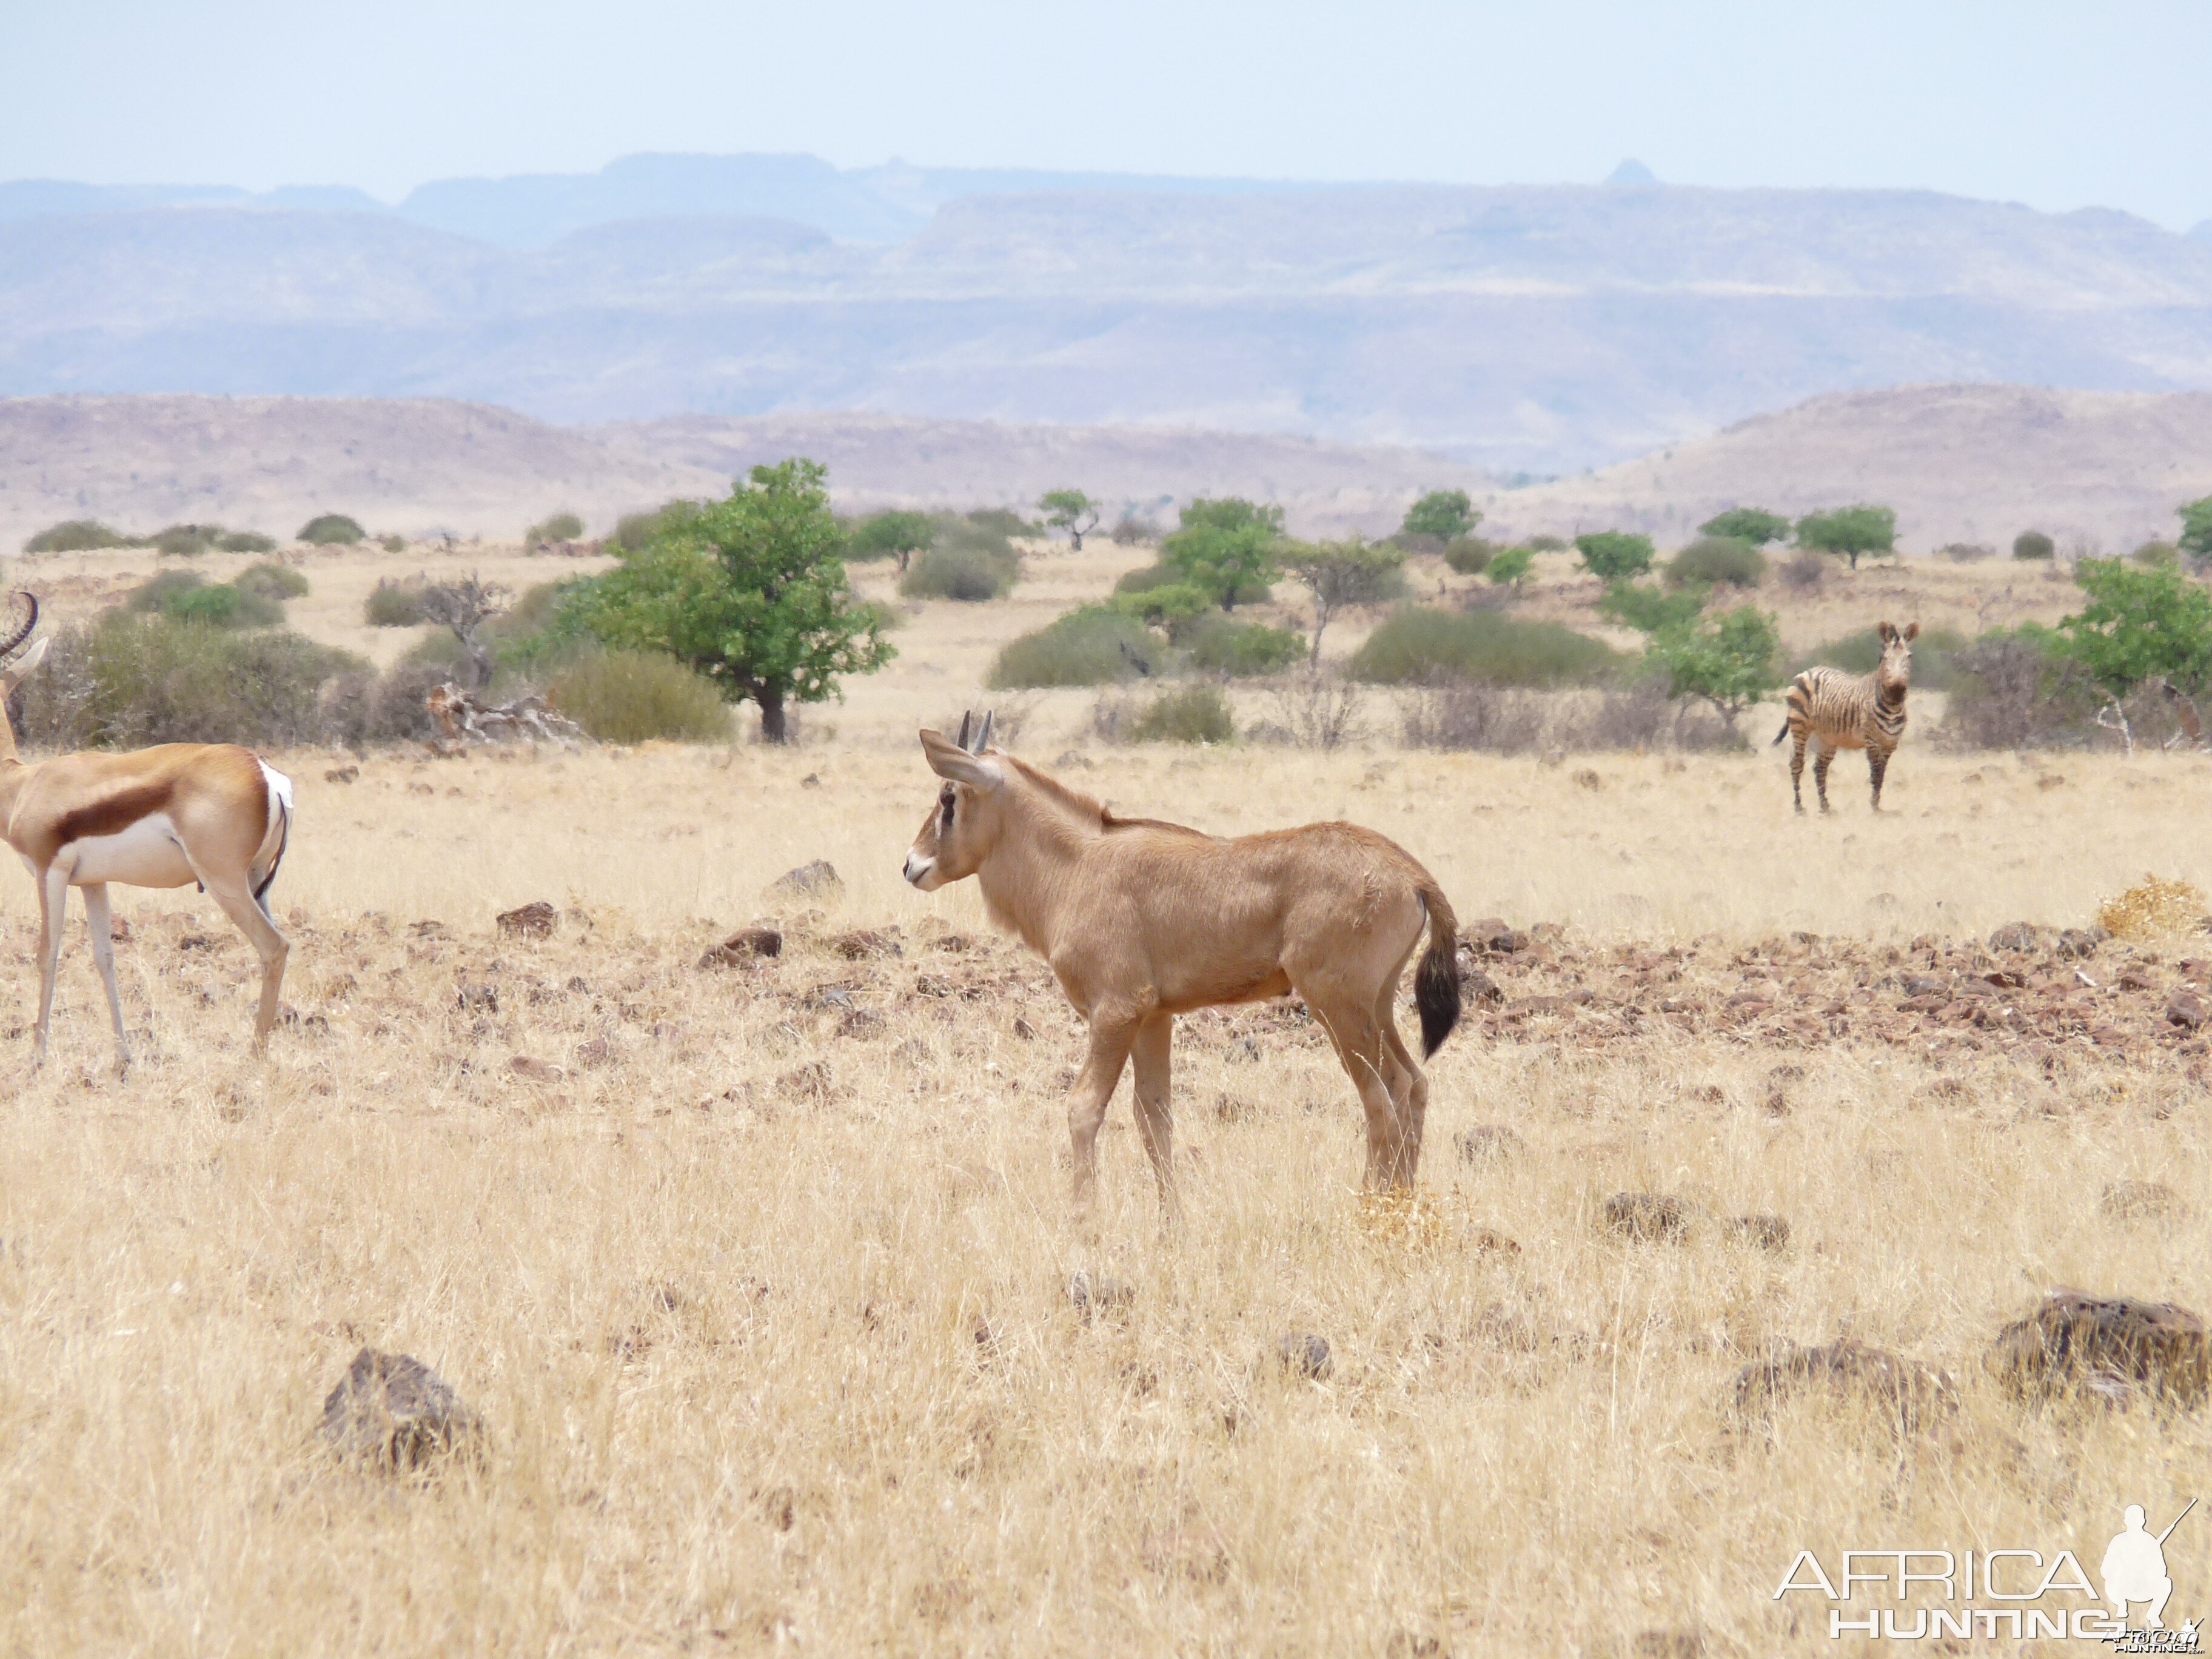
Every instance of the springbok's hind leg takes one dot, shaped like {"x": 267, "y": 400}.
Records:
{"x": 1150, "y": 1059}
{"x": 53, "y": 908}
{"x": 99, "y": 929}
{"x": 241, "y": 907}
{"x": 1110, "y": 1039}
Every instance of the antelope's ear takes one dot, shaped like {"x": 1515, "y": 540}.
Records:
{"x": 1913, "y": 630}
{"x": 17, "y": 673}
{"x": 1884, "y": 632}
{"x": 949, "y": 760}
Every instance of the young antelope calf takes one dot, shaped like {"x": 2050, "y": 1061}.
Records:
{"x": 1837, "y": 710}
{"x": 210, "y": 813}
{"x": 1142, "y": 920}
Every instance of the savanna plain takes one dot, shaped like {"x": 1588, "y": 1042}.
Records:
{"x": 758, "y": 1273}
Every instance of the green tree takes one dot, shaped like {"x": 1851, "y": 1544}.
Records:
{"x": 1446, "y": 514}
{"x": 894, "y": 535}
{"x": 1729, "y": 660}
{"x": 750, "y": 591}
{"x": 1614, "y": 554}
{"x": 1345, "y": 576}
{"x": 1849, "y": 532}
{"x": 2034, "y": 545}
{"x": 1748, "y": 524}
{"x": 1070, "y": 510}
{"x": 2197, "y": 531}
{"x": 2142, "y": 622}
{"x": 1510, "y": 569}
{"x": 1648, "y": 610}
{"x": 1224, "y": 545}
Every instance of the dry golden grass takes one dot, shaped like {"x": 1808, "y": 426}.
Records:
{"x": 761, "y": 1282}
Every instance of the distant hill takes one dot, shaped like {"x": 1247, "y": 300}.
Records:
{"x": 1958, "y": 463}
{"x": 1540, "y": 329}
{"x": 419, "y": 466}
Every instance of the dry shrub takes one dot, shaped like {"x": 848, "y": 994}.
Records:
{"x": 1196, "y": 714}
{"x": 629, "y": 696}
{"x": 2152, "y": 908}
{"x": 1316, "y": 711}
{"x": 1499, "y": 720}
{"x": 1805, "y": 573}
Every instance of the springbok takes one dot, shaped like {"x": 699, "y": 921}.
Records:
{"x": 210, "y": 813}
{"x": 1142, "y": 920}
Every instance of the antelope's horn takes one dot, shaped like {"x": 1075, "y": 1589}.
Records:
{"x": 983, "y": 735}
{"x": 26, "y": 630}
{"x": 967, "y": 724}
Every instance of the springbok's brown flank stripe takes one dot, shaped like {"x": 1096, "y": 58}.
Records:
{"x": 111, "y": 815}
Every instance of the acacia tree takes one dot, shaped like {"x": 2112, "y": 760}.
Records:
{"x": 1070, "y": 510}
{"x": 2142, "y": 622}
{"x": 466, "y": 606}
{"x": 1224, "y": 545}
{"x": 1445, "y": 515}
{"x": 1746, "y": 523}
{"x": 2197, "y": 531}
{"x": 1727, "y": 661}
{"x": 1850, "y": 532}
{"x": 898, "y": 534}
{"x": 1614, "y": 554}
{"x": 750, "y": 591}
{"x": 1344, "y": 576}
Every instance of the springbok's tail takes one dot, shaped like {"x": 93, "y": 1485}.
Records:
{"x": 278, "y": 835}
{"x": 1436, "y": 982}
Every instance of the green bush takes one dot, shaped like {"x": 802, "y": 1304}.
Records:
{"x": 1511, "y": 568}
{"x": 1712, "y": 559}
{"x": 2034, "y": 545}
{"x": 2156, "y": 553}
{"x": 1218, "y": 645}
{"x": 278, "y": 582}
{"x": 1934, "y": 654}
{"x": 561, "y": 526}
{"x": 634, "y": 532}
{"x": 1648, "y": 610}
{"x": 1196, "y": 714}
{"x": 78, "y": 536}
{"x": 1421, "y": 644}
{"x": 1001, "y": 521}
{"x": 1096, "y": 645}
{"x": 246, "y": 541}
{"x": 1544, "y": 543}
{"x": 183, "y": 596}
{"x": 392, "y": 604}
{"x": 1470, "y": 555}
{"x": 1610, "y": 555}
{"x": 966, "y": 561}
{"x": 332, "y": 529}
{"x": 628, "y": 696}
{"x": 187, "y": 541}
{"x": 149, "y": 679}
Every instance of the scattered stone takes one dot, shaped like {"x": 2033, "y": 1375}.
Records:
{"x": 1491, "y": 934}
{"x": 2184, "y": 1009}
{"x": 2016, "y": 935}
{"x": 2109, "y": 1347}
{"x": 823, "y": 997}
{"x": 483, "y": 997}
{"x": 1766, "y": 1232}
{"x": 808, "y": 881}
{"x": 534, "y": 920}
{"x": 1094, "y": 1294}
{"x": 812, "y": 1081}
{"x": 1305, "y": 1355}
{"x": 1483, "y": 1141}
{"x": 1646, "y": 1216}
{"x": 392, "y": 1410}
{"x": 1923, "y": 985}
{"x": 746, "y": 945}
{"x": 597, "y": 1051}
{"x": 1024, "y": 1029}
{"x": 1912, "y": 1392}
{"x": 2138, "y": 1200}
{"x": 1588, "y": 779}
{"x": 1488, "y": 1241}
{"x": 341, "y": 775}
{"x": 860, "y": 1023}
{"x": 535, "y": 1071}
{"x": 2080, "y": 942}
{"x": 811, "y": 781}
{"x": 1475, "y": 986}
{"x": 863, "y": 944}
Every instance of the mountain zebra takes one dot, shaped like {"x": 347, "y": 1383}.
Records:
{"x": 1850, "y": 711}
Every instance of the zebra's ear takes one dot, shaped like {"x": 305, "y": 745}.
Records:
{"x": 1884, "y": 632}
{"x": 1913, "y": 630}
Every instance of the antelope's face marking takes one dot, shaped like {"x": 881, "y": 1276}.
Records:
{"x": 1894, "y": 672}
{"x": 963, "y": 825}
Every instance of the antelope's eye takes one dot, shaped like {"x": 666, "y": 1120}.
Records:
{"x": 945, "y": 800}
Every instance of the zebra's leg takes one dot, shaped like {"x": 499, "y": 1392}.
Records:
{"x": 1798, "y": 771}
{"x": 1877, "y": 763}
{"x": 1822, "y": 756}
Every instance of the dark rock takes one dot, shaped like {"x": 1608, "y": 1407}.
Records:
{"x": 2016, "y": 935}
{"x": 1483, "y": 1141}
{"x": 2079, "y": 942}
{"x": 535, "y": 1071}
{"x": 483, "y": 997}
{"x": 1923, "y": 985}
{"x": 341, "y": 775}
{"x": 1097, "y": 1293}
{"x": 1304, "y": 1354}
{"x": 392, "y": 1410}
{"x": 2184, "y": 1009}
{"x": 1912, "y": 1392}
{"x": 746, "y": 945}
{"x": 534, "y": 920}
{"x": 1491, "y": 934}
{"x": 808, "y": 881}
{"x": 2105, "y": 1344}
{"x": 1647, "y": 1216}
{"x": 864, "y": 943}
{"x": 1766, "y": 1232}
{"x": 597, "y": 1051}
{"x": 1024, "y": 1029}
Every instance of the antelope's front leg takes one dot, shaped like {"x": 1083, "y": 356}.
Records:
{"x": 1150, "y": 1055}
{"x": 1111, "y": 1033}
{"x": 53, "y": 909}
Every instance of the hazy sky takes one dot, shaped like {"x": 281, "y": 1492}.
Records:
{"x": 2059, "y": 105}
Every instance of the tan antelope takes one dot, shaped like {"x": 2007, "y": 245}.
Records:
{"x": 1142, "y": 920}
{"x": 210, "y": 813}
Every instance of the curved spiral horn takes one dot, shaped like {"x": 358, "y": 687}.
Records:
{"x": 7, "y": 649}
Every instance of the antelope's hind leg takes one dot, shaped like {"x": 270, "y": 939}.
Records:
{"x": 1408, "y": 1084}
{"x": 53, "y": 909}
{"x": 100, "y": 929}
{"x": 1150, "y": 1055}
{"x": 241, "y": 907}
{"x": 1360, "y": 1050}
{"x": 1111, "y": 1040}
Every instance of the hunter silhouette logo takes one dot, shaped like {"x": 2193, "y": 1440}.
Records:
{"x": 2134, "y": 1568}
